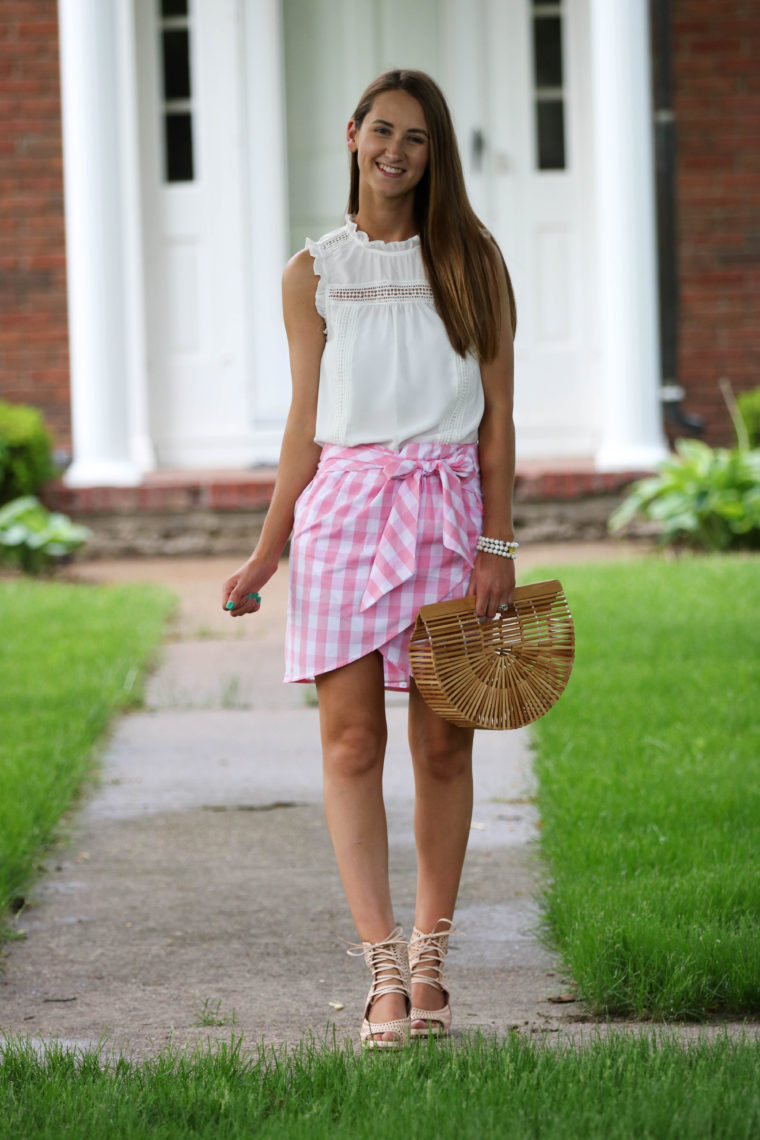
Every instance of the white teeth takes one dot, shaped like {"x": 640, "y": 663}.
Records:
{"x": 391, "y": 169}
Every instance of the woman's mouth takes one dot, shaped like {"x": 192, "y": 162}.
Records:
{"x": 390, "y": 171}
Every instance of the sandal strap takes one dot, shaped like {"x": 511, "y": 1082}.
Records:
{"x": 427, "y": 952}
{"x": 389, "y": 963}
{"x": 379, "y": 951}
{"x": 357, "y": 949}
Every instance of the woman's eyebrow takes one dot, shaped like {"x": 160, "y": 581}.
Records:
{"x": 411, "y": 130}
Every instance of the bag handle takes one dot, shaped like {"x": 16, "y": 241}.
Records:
{"x": 529, "y": 593}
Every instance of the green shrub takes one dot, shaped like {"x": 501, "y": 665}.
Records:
{"x": 33, "y": 538}
{"x": 25, "y": 451}
{"x": 702, "y": 496}
{"x": 749, "y": 407}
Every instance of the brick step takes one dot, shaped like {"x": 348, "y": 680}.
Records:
{"x": 221, "y": 512}
{"x": 247, "y": 490}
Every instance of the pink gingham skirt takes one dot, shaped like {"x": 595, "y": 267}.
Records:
{"x": 376, "y": 535}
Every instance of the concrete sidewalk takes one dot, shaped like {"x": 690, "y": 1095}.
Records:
{"x": 198, "y": 883}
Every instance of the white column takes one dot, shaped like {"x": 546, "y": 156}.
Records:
{"x": 141, "y": 447}
{"x": 632, "y": 434}
{"x": 267, "y": 194}
{"x": 101, "y": 402}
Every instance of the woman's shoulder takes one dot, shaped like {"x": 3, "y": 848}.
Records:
{"x": 298, "y": 276}
{"x": 299, "y": 266}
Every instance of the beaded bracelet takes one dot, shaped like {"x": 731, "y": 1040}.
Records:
{"x": 497, "y": 546}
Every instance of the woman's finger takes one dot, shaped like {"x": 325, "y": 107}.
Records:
{"x": 481, "y": 602}
{"x": 227, "y": 589}
{"x": 246, "y": 608}
{"x": 243, "y": 601}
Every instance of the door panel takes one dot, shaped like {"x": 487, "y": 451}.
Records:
{"x": 194, "y": 243}
{"x": 538, "y": 218}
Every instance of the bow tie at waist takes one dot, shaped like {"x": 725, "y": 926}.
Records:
{"x": 396, "y": 557}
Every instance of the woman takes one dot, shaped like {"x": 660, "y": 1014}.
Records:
{"x": 397, "y": 458}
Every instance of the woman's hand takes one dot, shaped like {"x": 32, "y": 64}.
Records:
{"x": 492, "y": 583}
{"x": 248, "y": 579}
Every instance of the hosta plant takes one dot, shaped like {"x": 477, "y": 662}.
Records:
{"x": 33, "y": 538}
{"x": 701, "y": 496}
{"x": 748, "y": 404}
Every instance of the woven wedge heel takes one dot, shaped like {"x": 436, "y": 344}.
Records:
{"x": 389, "y": 962}
{"x": 426, "y": 956}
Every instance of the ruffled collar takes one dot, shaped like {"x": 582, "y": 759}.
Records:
{"x": 388, "y": 246}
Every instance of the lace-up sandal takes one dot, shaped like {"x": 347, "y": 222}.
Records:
{"x": 389, "y": 962}
{"x": 426, "y": 956}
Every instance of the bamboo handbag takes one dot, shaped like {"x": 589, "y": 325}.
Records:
{"x": 494, "y": 674}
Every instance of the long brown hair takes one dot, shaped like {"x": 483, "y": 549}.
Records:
{"x": 461, "y": 258}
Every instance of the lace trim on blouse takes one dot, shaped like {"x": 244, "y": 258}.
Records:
{"x": 382, "y": 293}
{"x": 331, "y": 241}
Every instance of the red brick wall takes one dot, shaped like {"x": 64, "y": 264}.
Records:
{"x": 34, "y": 362}
{"x": 716, "y": 75}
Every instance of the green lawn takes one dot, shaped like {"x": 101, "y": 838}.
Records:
{"x": 69, "y": 657}
{"x": 649, "y": 773}
{"x": 605, "y": 1090}
{"x": 649, "y": 777}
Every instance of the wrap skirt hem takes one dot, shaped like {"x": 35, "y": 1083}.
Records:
{"x": 396, "y": 677}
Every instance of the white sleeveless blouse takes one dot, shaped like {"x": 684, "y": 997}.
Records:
{"x": 389, "y": 374}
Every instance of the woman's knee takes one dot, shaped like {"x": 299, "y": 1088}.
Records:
{"x": 444, "y": 761}
{"x": 354, "y": 749}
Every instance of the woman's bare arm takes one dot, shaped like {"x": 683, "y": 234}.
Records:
{"x": 493, "y": 578}
{"x": 300, "y": 454}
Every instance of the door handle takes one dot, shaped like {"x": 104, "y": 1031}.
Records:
{"x": 477, "y": 148}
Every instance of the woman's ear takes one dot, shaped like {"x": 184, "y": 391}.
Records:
{"x": 351, "y": 134}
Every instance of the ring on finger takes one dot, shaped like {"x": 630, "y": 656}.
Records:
{"x": 502, "y": 608}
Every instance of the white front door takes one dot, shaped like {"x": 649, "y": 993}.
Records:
{"x": 191, "y": 114}
{"x": 516, "y": 75}
{"x": 538, "y": 160}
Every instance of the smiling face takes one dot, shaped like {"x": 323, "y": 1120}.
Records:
{"x": 391, "y": 145}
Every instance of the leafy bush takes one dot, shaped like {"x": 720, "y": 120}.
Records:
{"x": 749, "y": 407}
{"x": 25, "y": 451}
{"x": 702, "y": 496}
{"x": 33, "y": 538}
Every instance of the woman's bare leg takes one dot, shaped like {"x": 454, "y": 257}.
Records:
{"x": 354, "y": 733}
{"x": 442, "y": 759}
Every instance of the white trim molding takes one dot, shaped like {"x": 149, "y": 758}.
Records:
{"x": 632, "y": 435}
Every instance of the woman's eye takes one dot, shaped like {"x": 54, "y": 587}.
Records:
{"x": 381, "y": 130}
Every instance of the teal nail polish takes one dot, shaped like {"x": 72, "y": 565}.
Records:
{"x": 230, "y": 606}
